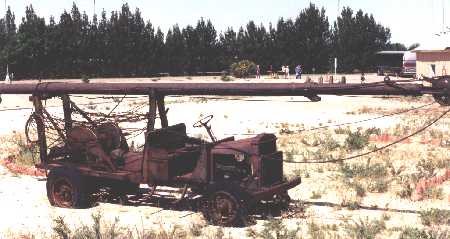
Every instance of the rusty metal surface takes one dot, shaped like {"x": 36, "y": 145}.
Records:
{"x": 232, "y": 89}
{"x": 269, "y": 191}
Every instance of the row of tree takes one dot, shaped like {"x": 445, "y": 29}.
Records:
{"x": 124, "y": 45}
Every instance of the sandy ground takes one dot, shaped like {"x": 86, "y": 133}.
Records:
{"x": 25, "y": 208}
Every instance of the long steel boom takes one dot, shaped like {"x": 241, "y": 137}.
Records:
{"x": 223, "y": 89}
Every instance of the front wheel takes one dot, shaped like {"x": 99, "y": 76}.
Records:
{"x": 66, "y": 189}
{"x": 226, "y": 209}
{"x": 282, "y": 200}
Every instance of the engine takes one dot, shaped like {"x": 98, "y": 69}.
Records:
{"x": 253, "y": 161}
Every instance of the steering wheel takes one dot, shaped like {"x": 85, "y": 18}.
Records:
{"x": 203, "y": 121}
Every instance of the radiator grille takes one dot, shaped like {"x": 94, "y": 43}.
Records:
{"x": 272, "y": 169}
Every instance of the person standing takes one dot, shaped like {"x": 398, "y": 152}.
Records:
{"x": 258, "y": 72}
{"x": 287, "y": 71}
{"x": 298, "y": 72}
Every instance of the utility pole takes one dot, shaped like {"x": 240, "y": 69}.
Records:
{"x": 7, "y": 78}
{"x": 339, "y": 7}
{"x": 443, "y": 17}
{"x": 337, "y": 28}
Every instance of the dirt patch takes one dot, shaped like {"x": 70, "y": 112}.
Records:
{"x": 21, "y": 169}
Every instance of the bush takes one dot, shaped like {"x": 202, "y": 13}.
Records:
{"x": 378, "y": 186}
{"x": 435, "y": 216}
{"x": 316, "y": 231}
{"x": 434, "y": 193}
{"x": 316, "y": 195}
{"x": 359, "y": 140}
{"x": 356, "y": 141}
{"x": 351, "y": 205}
{"x": 414, "y": 233}
{"x": 357, "y": 170}
{"x": 243, "y": 69}
{"x": 24, "y": 153}
{"x": 98, "y": 229}
{"x": 274, "y": 228}
{"x": 226, "y": 78}
{"x": 85, "y": 79}
{"x": 359, "y": 188}
{"x": 365, "y": 228}
{"x": 406, "y": 190}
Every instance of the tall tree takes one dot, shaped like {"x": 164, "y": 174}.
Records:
{"x": 175, "y": 51}
{"x": 206, "y": 45}
{"x": 356, "y": 39}
{"x": 313, "y": 38}
{"x": 228, "y": 47}
{"x": 31, "y": 46}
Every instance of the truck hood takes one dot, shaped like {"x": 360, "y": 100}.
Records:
{"x": 260, "y": 144}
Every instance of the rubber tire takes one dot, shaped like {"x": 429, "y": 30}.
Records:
{"x": 238, "y": 194}
{"x": 80, "y": 198}
{"x": 283, "y": 200}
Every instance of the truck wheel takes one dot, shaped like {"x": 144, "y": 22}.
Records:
{"x": 225, "y": 209}
{"x": 283, "y": 200}
{"x": 66, "y": 189}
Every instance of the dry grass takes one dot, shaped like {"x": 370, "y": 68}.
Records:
{"x": 15, "y": 148}
{"x": 384, "y": 181}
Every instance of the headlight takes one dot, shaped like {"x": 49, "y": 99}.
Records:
{"x": 239, "y": 157}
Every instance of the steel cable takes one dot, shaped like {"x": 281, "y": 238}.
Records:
{"x": 426, "y": 126}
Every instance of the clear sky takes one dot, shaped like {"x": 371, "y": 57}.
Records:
{"x": 410, "y": 21}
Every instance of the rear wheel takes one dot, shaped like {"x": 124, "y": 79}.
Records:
{"x": 67, "y": 189}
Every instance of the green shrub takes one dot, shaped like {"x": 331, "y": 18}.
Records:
{"x": 243, "y": 69}
{"x": 359, "y": 140}
{"x": 196, "y": 229}
{"x": 101, "y": 230}
{"x": 406, "y": 190}
{"x": 414, "y": 233}
{"x": 353, "y": 205}
{"x": 342, "y": 130}
{"x": 435, "y": 216}
{"x": 359, "y": 188}
{"x": 356, "y": 141}
{"x": 60, "y": 228}
{"x": 316, "y": 195}
{"x": 316, "y": 231}
{"x": 361, "y": 170}
{"x": 378, "y": 186}
{"x": 434, "y": 193}
{"x": 330, "y": 144}
{"x": 25, "y": 153}
{"x": 226, "y": 78}
{"x": 273, "y": 229}
{"x": 365, "y": 228}
{"x": 85, "y": 79}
